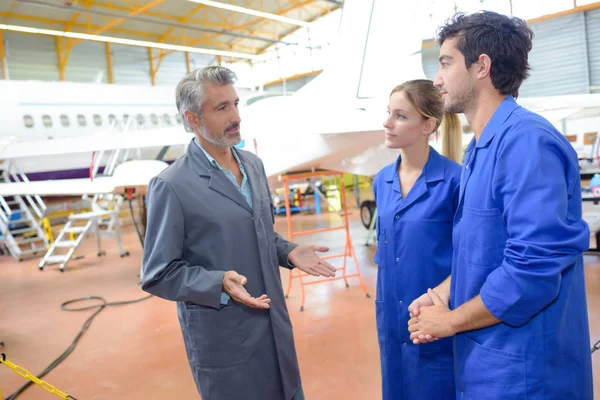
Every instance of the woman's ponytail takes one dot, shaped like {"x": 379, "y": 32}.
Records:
{"x": 452, "y": 137}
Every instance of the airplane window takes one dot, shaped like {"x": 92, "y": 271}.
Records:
{"x": 178, "y": 118}
{"x": 81, "y": 120}
{"x": 154, "y": 119}
{"x": 97, "y": 120}
{"x": 167, "y": 119}
{"x": 64, "y": 120}
{"x": 112, "y": 119}
{"x": 47, "y": 121}
{"x": 28, "y": 121}
{"x": 140, "y": 119}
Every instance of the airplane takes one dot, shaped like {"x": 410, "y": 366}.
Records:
{"x": 334, "y": 122}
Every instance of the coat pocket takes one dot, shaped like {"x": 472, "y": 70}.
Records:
{"x": 483, "y": 237}
{"x": 216, "y": 337}
{"x": 488, "y": 373}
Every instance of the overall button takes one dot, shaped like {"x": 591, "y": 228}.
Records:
{"x": 397, "y": 259}
{"x": 400, "y": 302}
{"x": 397, "y": 217}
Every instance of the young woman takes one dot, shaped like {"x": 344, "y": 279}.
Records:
{"x": 416, "y": 199}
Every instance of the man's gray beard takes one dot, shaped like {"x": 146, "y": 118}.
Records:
{"x": 218, "y": 142}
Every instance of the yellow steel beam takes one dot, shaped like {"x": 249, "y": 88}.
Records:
{"x": 316, "y": 7}
{"x": 152, "y": 71}
{"x": 292, "y": 77}
{"x": 586, "y": 7}
{"x": 3, "y": 57}
{"x": 187, "y": 62}
{"x": 109, "y": 67}
{"x": 153, "y": 36}
{"x": 170, "y": 18}
{"x": 181, "y": 20}
{"x": 61, "y": 64}
{"x": 263, "y": 21}
{"x": 161, "y": 57}
{"x": 108, "y": 26}
{"x": 74, "y": 18}
{"x": 133, "y": 13}
{"x": 10, "y": 9}
{"x": 319, "y": 15}
{"x": 254, "y": 22}
{"x": 154, "y": 67}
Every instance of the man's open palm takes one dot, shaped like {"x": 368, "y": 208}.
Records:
{"x": 305, "y": 259}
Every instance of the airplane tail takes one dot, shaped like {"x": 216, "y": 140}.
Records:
{"x": 375, "y": 51}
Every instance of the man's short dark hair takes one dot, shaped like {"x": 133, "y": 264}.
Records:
{"x": 506, "y": 40}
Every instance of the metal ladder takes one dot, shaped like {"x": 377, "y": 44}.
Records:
{"x": 19, "y": 216}
{"x": 104, "y": 214}
{"x": 74, "y": 233}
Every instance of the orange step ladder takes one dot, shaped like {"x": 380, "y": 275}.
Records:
{"x": 348, "y": 250}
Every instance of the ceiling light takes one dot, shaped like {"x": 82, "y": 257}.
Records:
{"x": 260, "y": 14}
{"x": 128, "y": 42}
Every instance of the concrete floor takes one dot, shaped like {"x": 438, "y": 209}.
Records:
{"x": 136, "y": 351}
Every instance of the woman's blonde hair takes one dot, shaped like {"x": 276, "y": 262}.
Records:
{"x": 428, "y": 102}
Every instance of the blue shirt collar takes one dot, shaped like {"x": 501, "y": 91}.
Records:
{"x": 504, "y": 110}
{"x": 212, "y": 160}
{"x": 433, "y": 170}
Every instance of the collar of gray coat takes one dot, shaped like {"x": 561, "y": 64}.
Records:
{"x": 220, "y": 183}
{"x": 203, "y": 166}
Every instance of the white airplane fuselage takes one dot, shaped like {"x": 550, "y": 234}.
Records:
{"x": 34, "y": 111}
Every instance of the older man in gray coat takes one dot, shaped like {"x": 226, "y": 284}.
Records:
{"x": 210, "y": 246}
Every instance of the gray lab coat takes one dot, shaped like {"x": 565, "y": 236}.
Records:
{"x": 199, "y": 226}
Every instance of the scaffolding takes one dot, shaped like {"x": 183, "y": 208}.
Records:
{"x": 348, "y": 249}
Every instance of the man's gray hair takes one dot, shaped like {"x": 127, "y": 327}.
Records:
{"x": 190, "y": 90}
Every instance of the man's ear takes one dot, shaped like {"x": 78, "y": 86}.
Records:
{"x": 484, "y": 66}
{"x": 192, "y": 119}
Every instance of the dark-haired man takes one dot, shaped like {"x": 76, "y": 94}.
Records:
{"x": 517, "y": 290}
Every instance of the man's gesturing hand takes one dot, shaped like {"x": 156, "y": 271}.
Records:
{"x": 233, "y": 285}
{"x": 305, "y": 259}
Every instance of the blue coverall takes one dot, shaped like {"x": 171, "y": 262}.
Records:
{"x": 518, "y": 239}
{"x": 414, "y": 252}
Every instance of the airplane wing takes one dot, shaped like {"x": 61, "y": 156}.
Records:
{"x": 10, "y": 149}
{"x": 61, "y": 187}
{"x": 131, "y": 174}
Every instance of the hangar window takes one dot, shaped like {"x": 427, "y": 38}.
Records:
{"x": 97, "y": 120}
{"x": 64, "y": 120}
{"x": 178, "y": 118}
{"x": 112, "y": 120}
{"x": 28, "y": 121}
{"x": 81, "y": 120}
{"x": 167, "y": 119}
{"x": 47, "y": 121}
{"x": 125, "y": 118}
{"x": 154, "y": 119}
{"x": 140, "y": 119}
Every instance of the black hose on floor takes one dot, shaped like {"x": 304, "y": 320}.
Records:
{"x": 64, "y": 306}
